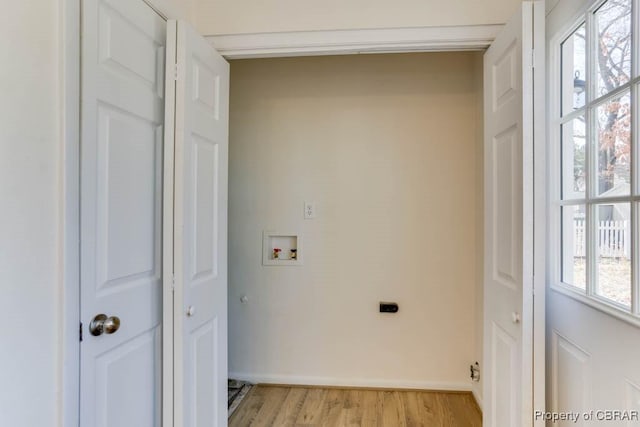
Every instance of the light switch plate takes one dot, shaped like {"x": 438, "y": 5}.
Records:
{"x": 309, "y": 210}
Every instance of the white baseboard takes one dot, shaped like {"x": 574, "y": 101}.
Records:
{"x": 350, "y": 382}
{"x": 476, "y": 396}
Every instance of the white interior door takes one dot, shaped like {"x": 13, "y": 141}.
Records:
{"x": 509, "y": 322}
{"x": 123, "y": 44}
{"x": 200, "y": 233}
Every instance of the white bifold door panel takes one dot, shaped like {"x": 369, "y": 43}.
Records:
{"x": 201, "y": 94}
{"x": 511, "y": 109}
{"x": 153, "y": 221}
{"x": 123, "y": 50}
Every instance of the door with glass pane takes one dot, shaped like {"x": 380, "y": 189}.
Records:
{"x": 592, "y": 308}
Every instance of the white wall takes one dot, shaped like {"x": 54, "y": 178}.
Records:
{"x": 243, "y": 16}
{"x": 592, "y": 357}
{"x": 29, "y": 222}
{"x": 176, "y": 9}
{"x": 386, "y": 146}
{"x": 31, "y": 159}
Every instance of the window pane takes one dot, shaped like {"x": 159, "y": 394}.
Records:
{"x": 574, "y": 71}
{"x": 614, "y": 146}
{"x": 574, "y": 247}
{"x": 573, "y": 159}
{"x": 613, "y": 241}
{"x": 613, "y": 48}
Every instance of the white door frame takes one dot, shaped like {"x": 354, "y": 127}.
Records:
{"x": 344, "y": 42}
{"x": 387, "y": 40}
{"x": 70, "y": 215}
{"x": 540, "y": 223}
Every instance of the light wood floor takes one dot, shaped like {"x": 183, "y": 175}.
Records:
{"x": 283, "y": 406}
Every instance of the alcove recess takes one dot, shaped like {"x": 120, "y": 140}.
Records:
{"x": 272, "y": 240}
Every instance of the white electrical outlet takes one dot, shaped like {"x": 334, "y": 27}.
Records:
{"x": 309, "y": 210}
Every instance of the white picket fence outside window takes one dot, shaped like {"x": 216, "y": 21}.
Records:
{"x": 613, "y": 239}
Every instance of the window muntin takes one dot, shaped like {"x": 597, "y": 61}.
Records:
{"x": 597, "y": 195}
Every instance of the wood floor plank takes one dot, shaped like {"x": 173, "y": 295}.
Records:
{"x": 415, "y": 411}
{"x": 273, "y": 401}
{"x": 447, "y": 416}
{"x": 393, "y": 410}
{"x": 473, "y": 403}
{"x": 432, "y": 409}
{"x": 463, "y": 410}
{"x": 292, "y": 406}
{"x": 332, "y": 412}
{"x": 353, "y": 410}
{"x": 312, "y": 407}
{"x": 371, "y": 408}
{"x": 248, "y": 409}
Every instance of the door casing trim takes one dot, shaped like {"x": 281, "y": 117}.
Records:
{"x": 69, "y": 71}
{"x": 344, "y": 42}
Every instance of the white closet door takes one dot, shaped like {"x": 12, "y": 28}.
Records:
{"x": 200, "y": 231}
{"x": 509, "y": 323}
{"x": 123, "y": 45}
